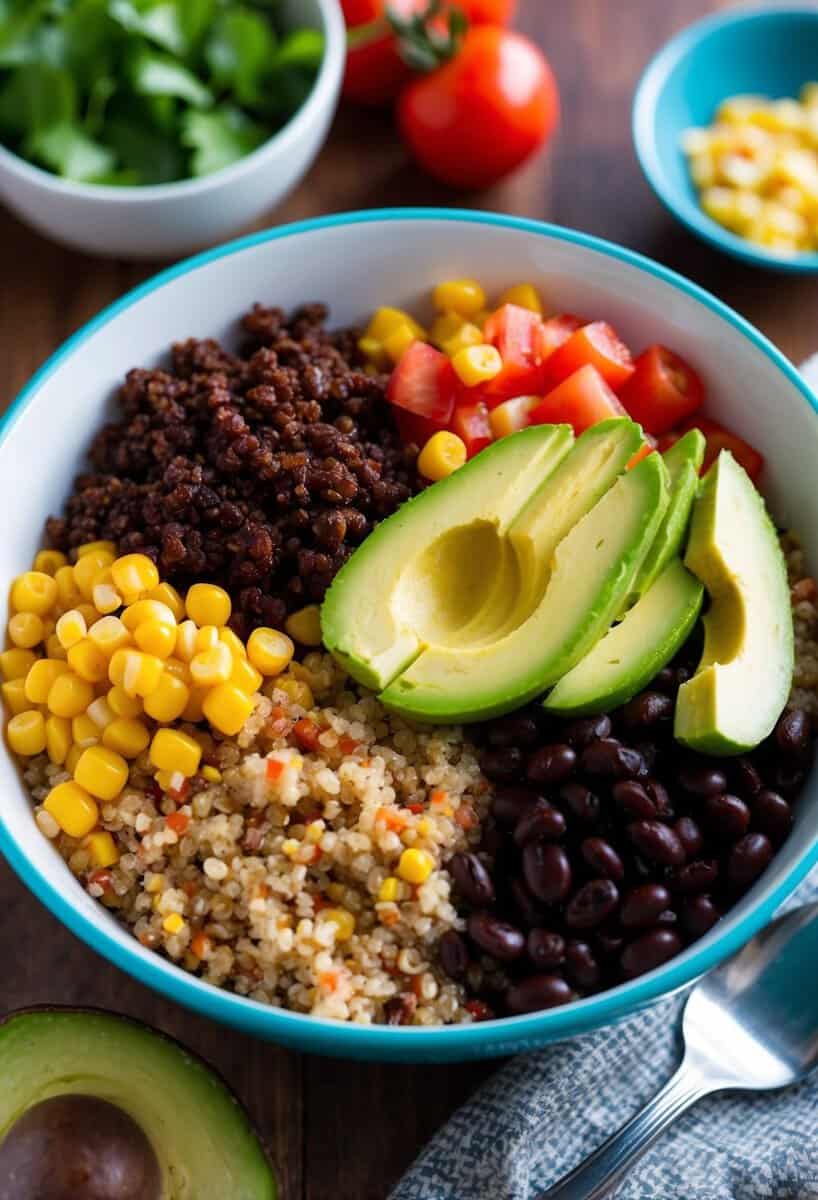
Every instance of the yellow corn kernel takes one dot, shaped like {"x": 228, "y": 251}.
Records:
{"x": 477, "y": 364}
{"x": 53, "y": 649}
{"x": 233, "y": 642}
{"x": 186, "y": 635}
{"x": 445, "y": 327}
{"x": 109, "y": 634}
{"x": 14, "y": 695}
{"x": 296, "y": 691}
{"x": 207, "y": 637}
{"x": 374, "y": 352}
{"x": 386, "y": 320}
{"x": 72, "y": 808}
{"x": 26, "y": 733}
{"x": 102, "y": 772}
{"x": 398, "y": 342}
{"x": 57, "y": 739}
{"x": 41, "y": 678}
{"x": 464, "y": 296}
{"x": 26, "y": 630}
{"x": 126, "y": 736}
{"x": 172, "y": 750}
{"x": 122, "y": 704}
{"x": 84, "y": 732}
{"x": 269, "y": 650}
{"x": 98, "y": 547}
{"x": 442, "y": 455}
{"x": 102, "y": 849}
{"x": 702, "y": 170}
{"x": 104, "y": 596}
{"x": 49, "y": 626}
{"x": 89, "y": 613}
{"x": 167, "y": 594}
{"x": 304, "y": 626}
{"x": 154, "y": 637}
{"x": 173, "y": 923}
{"x": 207, "y": 604}
{"x": 16, "y": 663}
{"x": 467, "y": 335}
{"x": 138, "y": 673}
{"x": 147, "y": 610}
{"x": 68, "y": 593}
{"x": 194, "y": 711}
{"x": 49, "y": 561}
{"x": 88, "y": 569}
{"x": 524, "y": 295}
{"x": 168, "y": 700}
{"x": 415, "y": 866}
{"x": 342, "y": 919}
{"x": 245, "y": 676}
{"x": 212, "y": 666}
{"x": 134, "y": 575}
{"x": 389, "y": 889}
{"x": 227, "y": 707}
{"x": 34, "y": 592}
{"x": 72, "y": 758}
{"x": 88, "y": 661}
{"x": 211, "y": 774}
{"x": 100, "y": 712}
{"x": 178, "y": 669}
{"x": 71, "y": 628}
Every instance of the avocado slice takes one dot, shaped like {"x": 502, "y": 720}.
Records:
{"x": 593, "y": 567}
{"x": 630, "y": 653}
{"x": 744, "y": 678}
{"x": 115, "y": 1098}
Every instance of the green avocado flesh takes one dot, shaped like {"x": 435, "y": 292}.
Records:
{"x": 631, "y": 653}
{"x": 744, "y": 678}
{"x": 203, "y": 1142}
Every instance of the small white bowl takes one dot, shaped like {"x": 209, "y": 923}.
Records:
{"x": 170, "y": 219}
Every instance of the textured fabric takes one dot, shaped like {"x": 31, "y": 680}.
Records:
{"x": 541, "y": 1114}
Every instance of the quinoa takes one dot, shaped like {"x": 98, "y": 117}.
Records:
{"x": 804, "y": 595}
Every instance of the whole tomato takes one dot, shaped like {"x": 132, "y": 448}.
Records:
{"x": 376, "y": 71}
{"x": 477, "y": 117}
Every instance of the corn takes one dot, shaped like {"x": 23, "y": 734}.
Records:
{"x": 386, "y": 320}
{"x": 194, "y": 710}
{"x": 72, "y": 808}
{"x": 373, "y": 350}
{"x": 109, "y": 635}
{"x": 154, "y": 637}
{"x": 71, "y": 628}
{"x": 511, "y": 415}
{"x": 88, "y": 569}
{"x": 269, "y": 651}
{"x": 464, "y": 296}
{"x": 102, "y": 772}
{"x": 147, "y": 610}
{"x": 84, "y": 732}
{"x": 34, "y": 592}
{"x": 26, "y": 733}
{"x": 122, "y": 704}
{"x": 168, "y": 700}
{"x": 133, "y": 575}
{"x": 207, "y": 604}
{"x": 304, "y": 626}
{"x": 136, "y": 672}
{"x": 49, "y": 561}
{"x": 186, "y": 635}
{"x": 102, "y": 849}
{"x": 445, "y": 327}
{"x": 211, "y": 774}
{"x": 178, "y": 669}
{"x": 88, "y": 612}
{"x": 207, "y": 637}
{"x": 227, "y": 707}
{"x": 88, "y": 661}
{"x": 212, "y": 666}
{"x": 245, "y": 676}
{"x": 53, "y": 649}
{"x": 166, "y": 594}
{"x": 73, "y": 756}
{"x": 106, "y": 599}
{"x": 442, "y": 455}
{"x": 16, "y": 663}
{"x": 477, "y": 364}
{"x": 14, "y": 695}
{"x": 101, "y": 712}
{"x": 342, "y": 919}
{"x": 468, "y": 334}
{"x": 57, "y": 739}
{"x": 43, "y": 675}
{"x": 389, "y": 889}
{"x": 172, "y": 750}
{"x": 26, "y": 630}
{"x": 126, "y": 736}
{"x": 68, "y": 593}
{"x": 398, "y": 342}
{"x": 98, "y": 547}
{"x": 296, "y": 691}
{"x": 524, "y": 295}
{"x": 173, "y": 923}
{"x": 415, "y": 866}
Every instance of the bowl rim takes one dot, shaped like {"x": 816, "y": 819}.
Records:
{"x": 643, "y": 109}
{"x": 500, "y": 1035}
{"x": 327, "y": 81}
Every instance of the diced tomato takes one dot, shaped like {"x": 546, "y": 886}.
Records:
{"x": 662, "y": 391}
{"x": 306, "y": 733}
{"x": 178, "y": 822}
{"x": 582, "y": 400}
{"x": 596, "y": 344}
{"x": 424, "y": 383}
{"x": 471, "y": 423}
{"x": 718, "y": 439}
{"x": 648, "y": 446}
{"x": 554, "y": 332}
{"x": 515, "y": 331}
{"x": 512, "y": 415}
{"x": 415, "y": 429}
{"x": 274, "y": 769}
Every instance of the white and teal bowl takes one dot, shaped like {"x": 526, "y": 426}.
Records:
{"x": 355, "y": 262}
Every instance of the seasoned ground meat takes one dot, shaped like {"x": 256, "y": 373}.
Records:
{"x": 260, "y": 470}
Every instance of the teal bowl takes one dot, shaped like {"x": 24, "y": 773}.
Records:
{"x": 767, "y": 51}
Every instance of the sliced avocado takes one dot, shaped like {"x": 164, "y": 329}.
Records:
{"x": 96, "y": 1105}
{"x": 430, "y": 569}
{"x": 630, "y": 653}
{"x": 593, "y": 567}
{"x": 744, "y": 678}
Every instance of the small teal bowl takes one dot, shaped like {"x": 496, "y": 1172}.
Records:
{"x": 768, "y": 51}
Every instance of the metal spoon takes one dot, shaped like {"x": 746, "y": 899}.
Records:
{"x": 751, "y": 1024}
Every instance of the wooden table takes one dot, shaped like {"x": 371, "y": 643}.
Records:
{"x": 348, "y": 1130}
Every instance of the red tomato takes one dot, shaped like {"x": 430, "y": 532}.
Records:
{"x": 662, "y": 391}
{"x": 596, "y": 344}
{"x": 581, "y": 400}
{"x": 515, "y": 331}
{"x": 648, "y": 446}
{"x": 718, "y": 439}
{"x": 424, "y": 383}
{"x": 555, "y": 331}
{"x": 471, "y": 423}
{"x": 414, "y": 429}
{"x": 480, "y": 115}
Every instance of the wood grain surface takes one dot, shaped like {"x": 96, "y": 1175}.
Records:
{"x": 346, "y": 1131}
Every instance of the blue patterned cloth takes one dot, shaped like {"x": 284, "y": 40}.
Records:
{"x": 541, "y": 1114}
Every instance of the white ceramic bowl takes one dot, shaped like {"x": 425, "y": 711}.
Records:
{"x": 356, "y": 262}
{"x": 169, "y": 219}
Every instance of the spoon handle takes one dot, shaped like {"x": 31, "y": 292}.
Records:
{"x": 603, "y": 1170}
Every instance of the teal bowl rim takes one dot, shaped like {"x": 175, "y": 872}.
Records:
{"x": 450, "y": 1042}
{"x": 645, "y": 97}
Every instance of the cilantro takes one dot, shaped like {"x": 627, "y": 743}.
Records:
{"x": 220, "y": 137}
{"x": 70, "y": 152}
{"x": 239, "y": 51}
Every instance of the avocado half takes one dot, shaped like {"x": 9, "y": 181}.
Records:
{"x": 99, "y": 1107}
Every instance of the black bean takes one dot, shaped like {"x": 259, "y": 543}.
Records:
{"x": 515, "y": 730}
{"x": 602, "y": 858}
{"x": 551, "y": 764}
{"x": 747, "y": 859}
{"x": 510, "y": 803}
{"x": 689, "y": 834}
{"x": 633, "y": 799}
{"x": 472, "y": 879}
{"x": 771, "y": 814}
{"x": 649, "y": 752}
{"x": 793, "y": 732}
{"x": 649, "y": 951}
{"x": 667, "y": 917}
{"x": 581, "y": 803}
{"x": 788, "y": 778}
{"x": 727, "y": 816}
{"x": 502, "y": 764}
{"x": 657, "y": 842}
{"x": 701, "y": 780}
{"x": 698, "y": 876}
{"x": 536, "y": 992}
{"x": 682, "y": 675}
{"x": 492, "y": 839}
{"x": 646, "y": 710}
{"x": 547, "y": 871}
{"x": 609, "y": 759}
{"x": 665, "y": 681}
{"x": 580, "y": 965}
{"x": 544, "y": 948}
{"x": 526, "y": 906}
{"x": 580, "y": 732}
{"x": 608, "y": 943}
{"x": 662, "y": 803}
{"x": 592, "y": 904}
{"x": 745, "y": 778}
{"x": 698, "y": 914}
{"x": 642, "y": 905}
{"x": 454, "y": 954}
{"x": 494, "y": 937}
{"x": 541, "y": 820}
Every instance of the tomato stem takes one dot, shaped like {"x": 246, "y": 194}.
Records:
{"x": 429, "y": 38}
